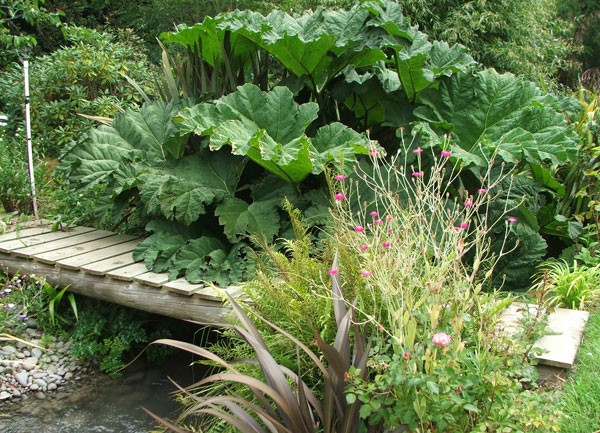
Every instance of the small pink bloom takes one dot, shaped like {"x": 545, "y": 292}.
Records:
{"x": 482, "y": 190}
{"x": 377, "y": 221}
{"x": 364, "y": 247}
{"x": 340, "y": 196}
{"x": 459, "y": 388}
{"x": 406, "y": 355}
{"x": 390, "y": 230}
{"x": 401, "y": 128}
{"x": 359, "y": 229}
{"x": 389, "y": 218}
{"x": 373, "y": 213}
{"x": 422, "y": 219}
{"x": 464, "y": 225}
{"x": 346, "y": 375}
{"x": 374, "y": 154}
{"x": 332, "y": 271}
{"x": 366, "y": 273}
{"x": 511, "y": 219}
{"x": 340, "y": 177}
{"x": 446, "y": 154}
{"x": 417, "y": 150}
{"x": 468, "y": 203}
{"x": 381, "y": 328}
{"x": 441, "y": 339}
{"x": 417, "y": 173}
{"x": 369, "y": 225}
{"x": 387, "y": 243}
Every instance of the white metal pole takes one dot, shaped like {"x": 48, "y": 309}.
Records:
{"x": 28, "y": 132}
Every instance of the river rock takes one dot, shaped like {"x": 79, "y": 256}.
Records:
{"x": 54, "y": 358}
{"x": 21, "y": 378}
{"x": 27, "y": 353}
{"x": 52, "y": 386}
{"x": 42, "y": 383}
{"x": 68, "y": 375}
{"x": 51, "y": 369}
{"x": 9, "y": 349}
{"x": 4, "y": 395}
{"x": 40, "y": 395}
{"x": 15, "y": 392}
{"x": 34, "y": 387}
{"x": 36, "y": 352}
{"x": 30, "y": 363}
{"x": 40, "y": 375}
{"x": 20, "y": 355}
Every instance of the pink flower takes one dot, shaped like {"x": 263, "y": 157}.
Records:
{"x": 346, "y": 375}
{"x": 374, "y": 154}
{"x": 340, "y": 177}
{"x": 381, "y": 328}
{"x": 511, "y": 219}
{"x": 390, "y": 230}
{"x": 468, "y": 203}
{"x": 446, "y": 154}
{"x": 332, "y": 271}
{"x": 364, "y": 247}
{"x": 417, "y": 173}
{"x": 441, "y": 339}
{"x": 464, "y": 225}
{"x": 359, "y": 229}
{"x": 377, "y": 221}
{"x": 387, "y": 243}
{"x": 366, "y": 273}
{"x": 340, "y": 196}
{"x": 389, "y": 218}
{"x": 422, "y": 219}
{"x": 417, "y": 150}
{"x": 482, "y": 190}
{"x": 406, "y": 355}
{"x": 374, "y": 213}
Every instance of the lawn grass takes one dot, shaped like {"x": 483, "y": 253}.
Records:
{"x": 581, "y": 395}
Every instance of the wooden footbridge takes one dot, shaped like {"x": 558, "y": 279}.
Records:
{"x": 99, "y": 264}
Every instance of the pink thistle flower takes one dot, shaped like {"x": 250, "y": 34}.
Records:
{"x": 340, "y": 196}
{"x": 340, "y": 177}
{"x": 417, "y": 150}
{"x": 388, "y": 218}
{"x": 364, "y": 247}
{"x": 374, "y": 213}
{"x": 332, "y": 271}
{"x": 377, "y": 221}
{"x": 441, "y": 339}
{"x": 387, "y": 243}
{"x": 417, "y": 173}
{"x": 464, "y": 225}
{"x": 366, "y": 273}
{"x": 446, "y": 154}
{"x": 482, "y": 190}
{"x": 511, "y": 219}
{"x": 390, "y": 230}
{"x": 359, "y": 229}
{"x": 468, "y": 203}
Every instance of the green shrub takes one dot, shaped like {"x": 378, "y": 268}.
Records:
{"x": 85, "y": 77}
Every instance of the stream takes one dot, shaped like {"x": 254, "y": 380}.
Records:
{"x": 100, "y": 404}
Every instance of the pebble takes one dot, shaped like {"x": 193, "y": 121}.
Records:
{"x": 22, "y": 378}
{"x": 30, "y": 363}
{"x": 4, "y": 395}
{"x": 36, "y": 352}
{"x": 40, "y": 375}
{"x": 41, "y": 383}
{"x": 34, "y": 387}
{"x": 40, "y": 395}
{"x": 20, "y": 355}
{"x": 9, "y": 349}
{"x": 52, "y": 386}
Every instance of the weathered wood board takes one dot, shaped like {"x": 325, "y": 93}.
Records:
{"x": 24, "y": 233}
{"x": 106, "y": 255}
{"x": 560, "y": 348}
{"x": 93, "y": 246}
{"x": 182, "y": 286}
{"x": 103, "y": 266}
{"x": 68, "y": 241}
{"x": 152, "y": 279}
{"x": 7, "y": 247}
{"x": 127, "y": 273}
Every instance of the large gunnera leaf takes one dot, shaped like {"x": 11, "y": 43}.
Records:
{"x": 270, "y": 128}
{"x": 498, "y": 112}
{"x": 180, "y": 190}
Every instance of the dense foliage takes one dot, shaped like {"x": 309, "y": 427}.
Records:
{"x": 85, "y": 77}
{"x": 287, "y": 90}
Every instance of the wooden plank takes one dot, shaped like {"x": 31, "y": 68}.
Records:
{"x": 107, "y": 265}
{"x": 7, "y": 247}
{"x": 68, "y": 241}
{"x": 102, "y": 254}
{"x": 128, "y": 293}
{"x": 24, "y": 233}
{"x": 152, "y": 279}
{"x": 182, "y": 286}
{"x": 128, "y": 272}
{"x": 86, "y": 247}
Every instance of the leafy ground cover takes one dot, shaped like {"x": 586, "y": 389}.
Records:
{"x": 580, "y": 397}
